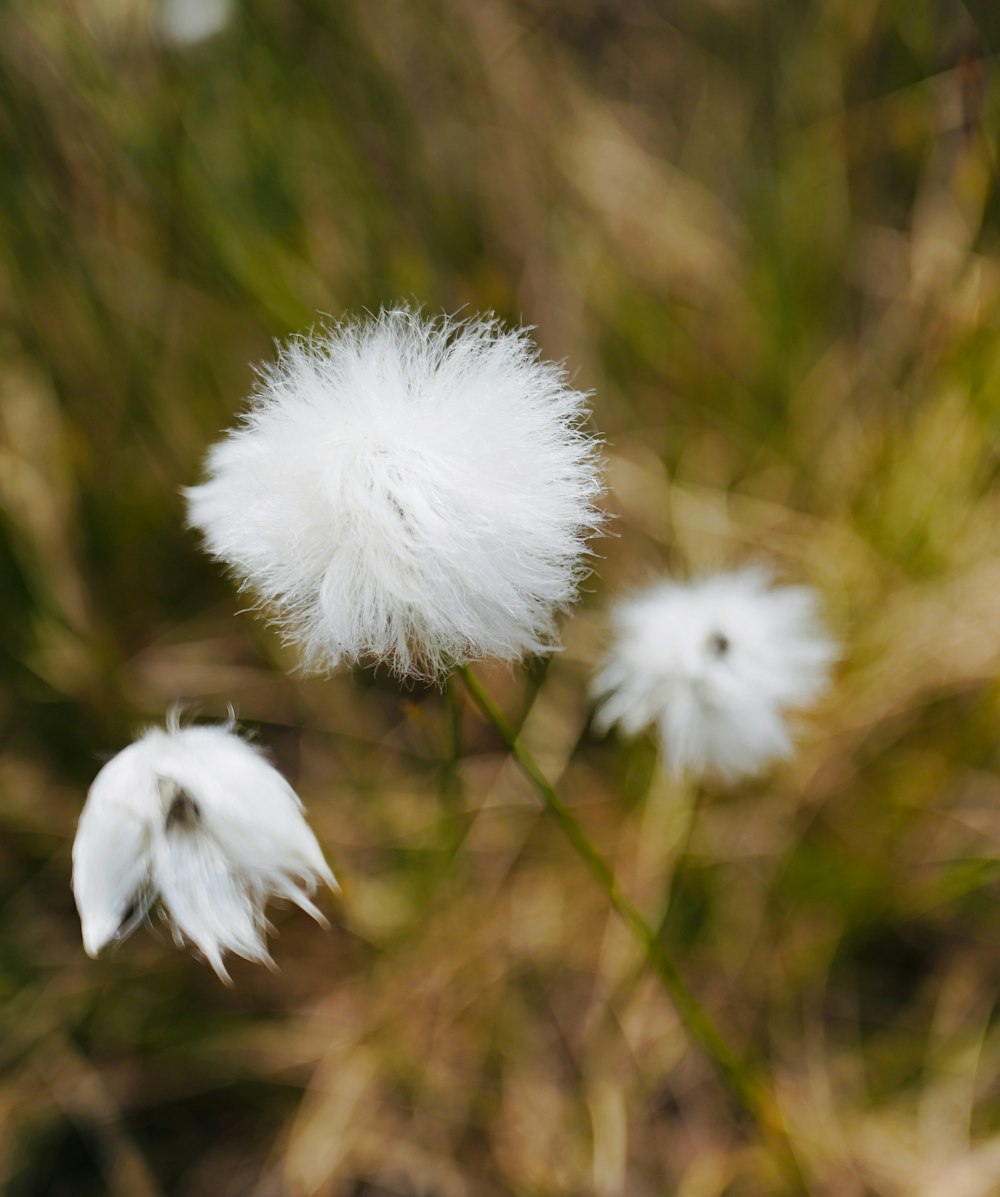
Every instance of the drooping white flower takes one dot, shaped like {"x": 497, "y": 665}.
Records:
{"x": 713, "y": 666}
{"x": 409, "y": 491}
{"x": 195, "y": 820}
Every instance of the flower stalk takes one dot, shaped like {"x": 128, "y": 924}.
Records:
{"x": 739, "y": 1077}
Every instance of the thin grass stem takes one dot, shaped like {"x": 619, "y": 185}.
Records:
{"x": 451, "y": 779}
{"x": 741, "y": 1080}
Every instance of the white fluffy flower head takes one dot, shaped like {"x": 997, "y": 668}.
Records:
{"x": 713, "y": 666}
{"x": 196, "y": 820}
{"x": 408, "y": 491}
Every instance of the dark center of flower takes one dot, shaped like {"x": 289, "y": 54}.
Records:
{"x": 182, "y": 812}
{"x": 718, "y": 644}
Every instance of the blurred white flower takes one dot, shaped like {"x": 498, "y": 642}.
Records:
{"x": 713, "y": 666}
{"x": 194, "y": 819}
{"x": 185, "y": 22}
{"x": 408, "y": 491}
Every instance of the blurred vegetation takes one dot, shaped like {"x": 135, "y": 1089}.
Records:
{"x": 767, "y": 235}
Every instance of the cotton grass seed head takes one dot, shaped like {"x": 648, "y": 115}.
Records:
{"x": 408, "y": 491}
{"x": 714, "y": 666}
{"x": 193, "y": 821}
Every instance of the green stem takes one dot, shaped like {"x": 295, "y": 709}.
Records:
{"x": 745, "y": 1087}
{"x": 680, "y": 853}
{"x": 451, "y": 781}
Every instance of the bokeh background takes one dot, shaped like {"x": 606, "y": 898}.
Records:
{"x": 766, "y": 234}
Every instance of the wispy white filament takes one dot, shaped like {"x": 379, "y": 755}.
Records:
{"x": 408, "y": 491}
{"x": 713, "y": 666}
{"x": 195, "y": 820}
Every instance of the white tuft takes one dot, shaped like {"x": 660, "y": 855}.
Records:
{"x": 713, "y": 666}
{"x": 194, "y": 819}
{"x": 407, "y": 491}
{"x": 186, "y": 22}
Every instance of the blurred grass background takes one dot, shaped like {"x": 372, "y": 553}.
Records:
{"x": 766, "y": 233}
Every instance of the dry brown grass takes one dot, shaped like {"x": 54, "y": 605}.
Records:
{"x": 766, "y": 236}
